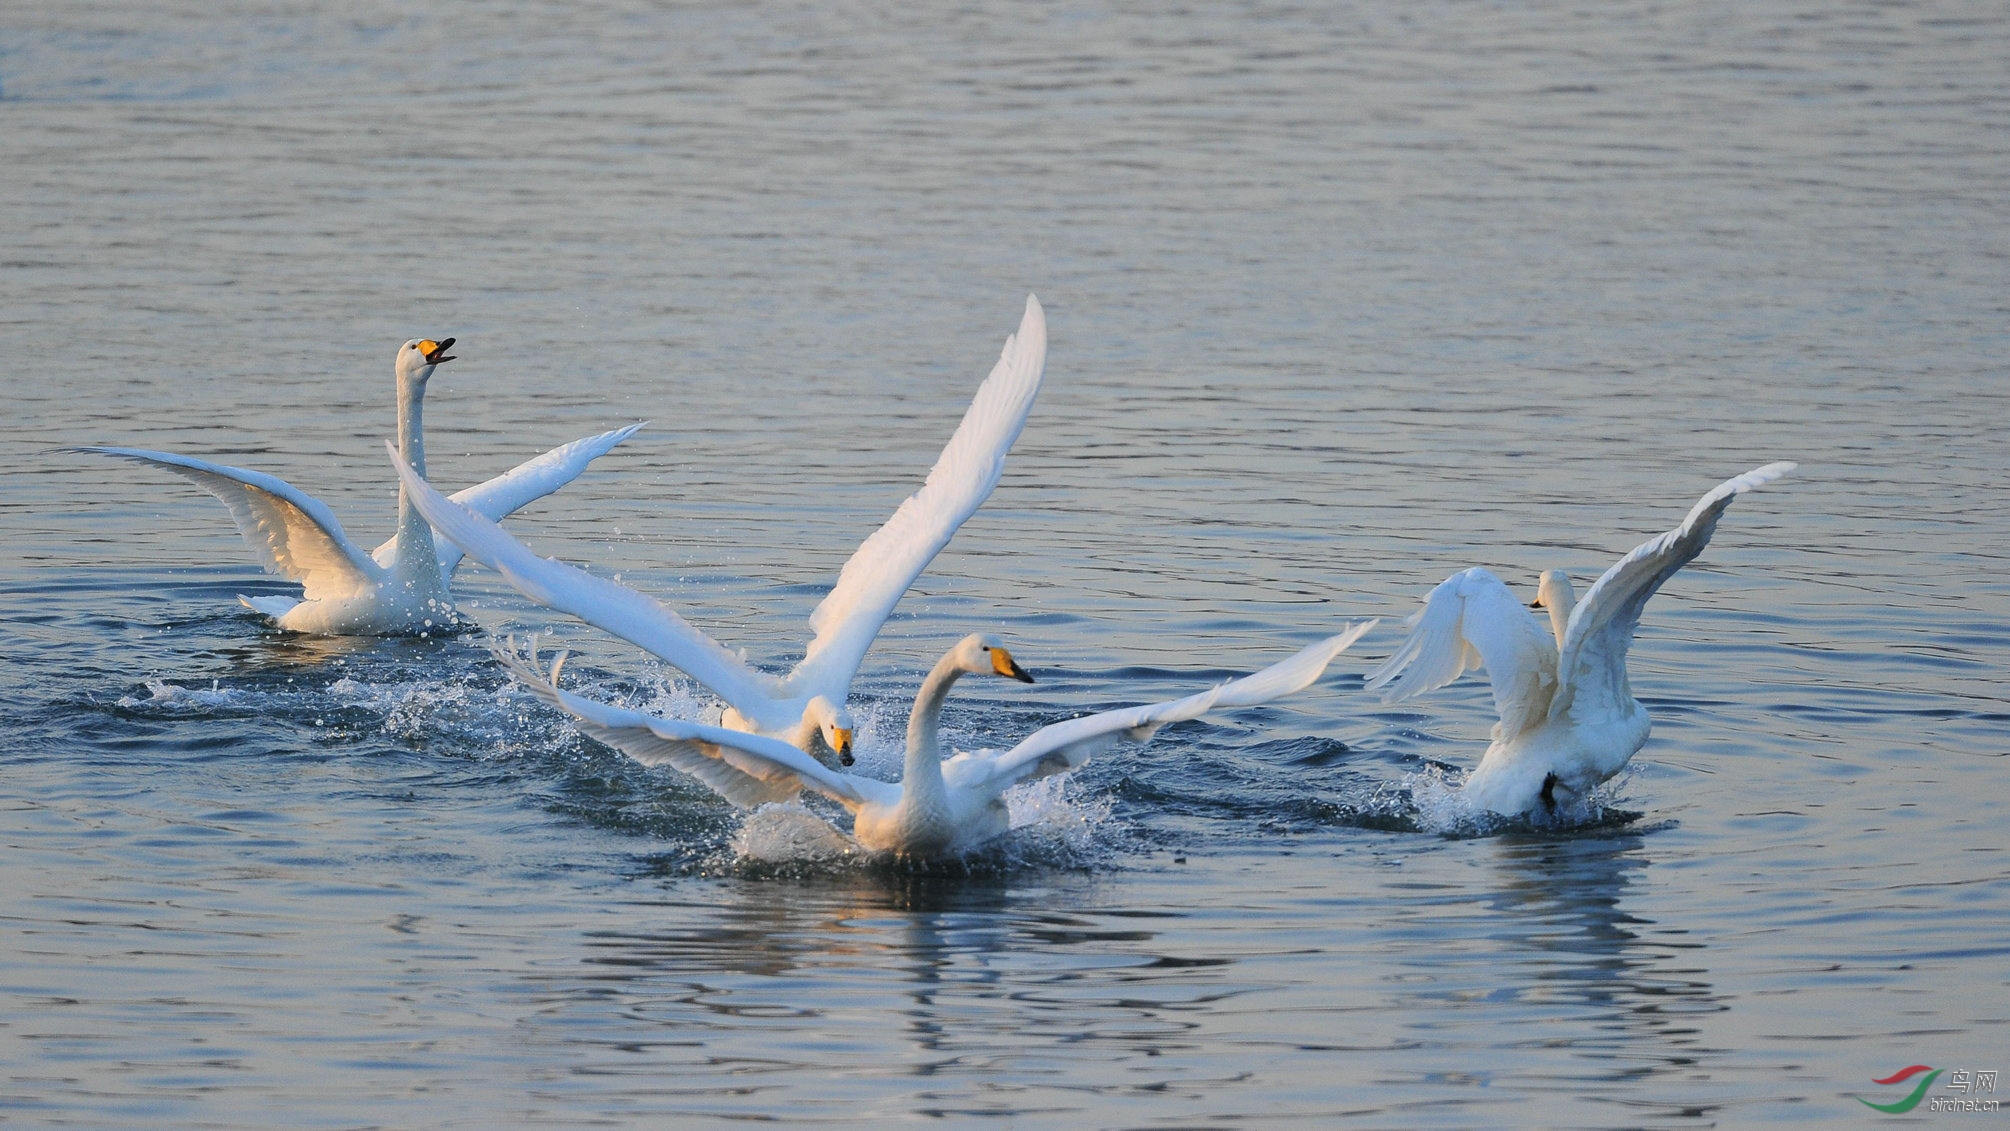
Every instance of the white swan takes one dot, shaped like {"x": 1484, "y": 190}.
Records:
{"x": 1568, "y": 718}
{"x": 808, "y": 705}
{"x": 938, "y": 807}
{"x": 401, "y": 587}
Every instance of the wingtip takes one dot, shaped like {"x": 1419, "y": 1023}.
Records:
{"x": 1032, "y": 324}
{"x": 1759, "y": 476}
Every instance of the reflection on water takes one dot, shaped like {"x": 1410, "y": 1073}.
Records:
{"x": 1642, "y": 985}
{"x": 1035, "y": 994}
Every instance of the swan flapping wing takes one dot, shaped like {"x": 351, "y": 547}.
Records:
{"x": 1473, "y": 620}
{"x": 1064, "y": 746}
{"x": 294, "y": 533}
{"x": 1060, "y": 747}
{"x": 636, "y": 618}
{"x": 1294, "y": 674}
{"x": 745, "y": 769}
{"x": 1592, "y": 663}
{"x": 882, "y": 568}
{"x": 533, "y": 479}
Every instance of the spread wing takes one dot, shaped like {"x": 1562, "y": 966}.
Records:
{"x": 641, "y": 620}
{"x": 1592, "y": 663}
{"x": 1295, "y": 674}
{"x": 882, "y": 568}
{"x": 533, "y": 479}
{"x": 745, "y": 769}
{"x": 1472, "y": 620}
{"x": 294, "y": 533}
{"x": 1061, "y": 747}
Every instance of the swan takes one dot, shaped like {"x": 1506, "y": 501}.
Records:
{"x": 807, "y": 706}
{"x": 938, "y": 807}
{"x": 1568, "y": 718}
{"x": 401, "y": 586}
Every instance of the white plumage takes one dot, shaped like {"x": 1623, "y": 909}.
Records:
{"x": 401, "y": 586}
{"x": 938, "y": 807}
{"x": 1568, "y": 718}
{"x": 807, "y": 706}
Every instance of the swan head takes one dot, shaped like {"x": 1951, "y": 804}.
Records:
{"x": 835, "y": 724}
{"x": 981, "y": 653}
{"x": 417, "y": 357}
{"x": 1553, "y": 590}
{"x": 1554, "y": 593}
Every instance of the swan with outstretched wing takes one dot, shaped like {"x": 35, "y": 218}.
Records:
{"x": 938, "y": 807}
{"x": 401, "y": 586}
{"x": 807, "y": 706}
{"x": 1568, "y": 718}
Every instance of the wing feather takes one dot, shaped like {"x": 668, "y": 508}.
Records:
{"x": 881, "y": 569}
{"x": 1592, "y": 663}
{"x": 1060, "y": 747}
{"x": 636, "y": 618}
{"x": 498, "y": 498}
{"x": 745, "y": 769}
{"x": 1472, "y": 620}
{"x": 294, "y": 533}
{"x": 1065, "y": 746}
{"x": 1295, "y": 674}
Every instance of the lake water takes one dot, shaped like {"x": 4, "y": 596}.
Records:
{"x": 1343, "y": 299}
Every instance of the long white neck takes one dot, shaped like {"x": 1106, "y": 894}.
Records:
{"x": 416, "y": 559}
{"x": 922, "y": 776}
{"x": 1559, "y": 598}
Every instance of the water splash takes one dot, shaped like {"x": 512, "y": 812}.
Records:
{"x": 1050, "y": 814}
{"x": 1051, "y": 828}
{"x": 165, "y": 695}
{"x": 788, "y": 833}
{"x": 1440, "y": 805}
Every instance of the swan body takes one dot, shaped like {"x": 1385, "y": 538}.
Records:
{"x": 401, "y": 586}
{"x": 939, "y": 807}
{"x": 1568, "y": 718}
{"x": 807, "y": 706}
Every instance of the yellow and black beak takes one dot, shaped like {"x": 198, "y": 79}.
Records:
{"x": 843, "y": 745}
{"x": 1003, "y": 663}
{"x": 436, "y": 352}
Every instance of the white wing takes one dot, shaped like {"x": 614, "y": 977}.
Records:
{"x": 1295, "y": 674}
{"x": 1471, "y": 620}
{"x": 745, "y": 769}
{"x": 295, "y": 534}
{"x": 1061, "y": 747}
{"x": 533, "y": 479}
{"x": 639, "y": 619}
{"x": 1065, "y": 746}
{"x": 882, "y": 568}
{"x": 1592, "y": 664}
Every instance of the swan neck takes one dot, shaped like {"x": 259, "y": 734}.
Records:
{"x": 923, "y": 772}
{"x": 1560, "y": 598}
{"x": 416, "y": 552}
